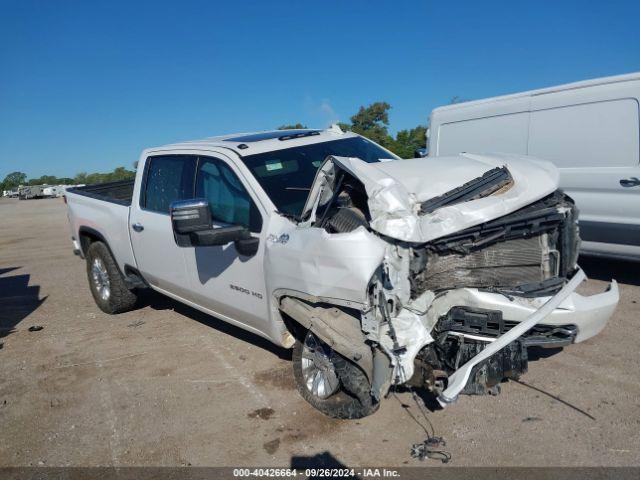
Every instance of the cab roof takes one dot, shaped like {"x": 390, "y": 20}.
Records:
{"x": 251, "y": 143}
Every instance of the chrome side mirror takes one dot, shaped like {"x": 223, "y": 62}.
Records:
{"x": 190, "y": 216}
{"x": 193, "y": 227}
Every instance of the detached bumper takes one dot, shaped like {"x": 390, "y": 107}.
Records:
{"x": 589, "y": 314}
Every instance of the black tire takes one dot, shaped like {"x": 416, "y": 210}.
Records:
{"x": 119, "y": 298}
{"x": 353, "y": 398}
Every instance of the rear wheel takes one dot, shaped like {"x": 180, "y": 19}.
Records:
{"x": 329, "y": 382}
{"x": 106, "y": 282}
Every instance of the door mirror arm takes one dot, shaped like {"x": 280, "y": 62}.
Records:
{"x": 219, "y": 236}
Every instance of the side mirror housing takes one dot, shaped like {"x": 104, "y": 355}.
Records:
{"x": 193, "y": 227}
{"x": 189, "y": 216}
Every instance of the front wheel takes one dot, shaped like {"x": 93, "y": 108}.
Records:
{"x": 106, "y": 282}
{"x": 329, "y": 382}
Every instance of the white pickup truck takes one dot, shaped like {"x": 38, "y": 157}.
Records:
{"x": 378, "y": 271}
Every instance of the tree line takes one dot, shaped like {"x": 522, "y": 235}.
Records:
{"x": 371, "y": 121}
{"x": 14, "y": 179}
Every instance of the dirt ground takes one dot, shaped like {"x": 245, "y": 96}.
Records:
{"x": 166, "y": 385}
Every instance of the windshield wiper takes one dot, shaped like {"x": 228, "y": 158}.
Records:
{"x": 303, "y": 189}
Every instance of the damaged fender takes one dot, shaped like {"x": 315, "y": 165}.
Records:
{"x": 334, "y": 268}
{"x": 334, "y": 327}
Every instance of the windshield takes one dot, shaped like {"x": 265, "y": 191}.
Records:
{"x": 286, "y": 175}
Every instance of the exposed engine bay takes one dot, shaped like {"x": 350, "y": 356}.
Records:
{"x": 445, "y": 291}
{"x": 525, "y": 253}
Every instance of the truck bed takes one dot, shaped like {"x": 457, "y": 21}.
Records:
{"x": 119, "y": 192}
{"x": 102, "y": 211}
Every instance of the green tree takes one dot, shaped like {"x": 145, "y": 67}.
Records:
{"x": 372, "y": 122}
{"x": 80, "y": 178}
{"x": 14, "y": 179}
{"x": 18, "y": 178}
{"x": 345, "y": 127}
{"x": 44, "y": 180}
{"x": 120, "y": 173}
{"x": 297, "y": 126}
{"x": 408, "y": 141}
{"x": 94, "y": 178}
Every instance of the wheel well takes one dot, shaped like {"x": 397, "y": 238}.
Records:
{"x": 132, "y": 277}
{"x": 87, "y": 237}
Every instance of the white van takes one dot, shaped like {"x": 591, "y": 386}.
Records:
{"x": 589, "y": 129}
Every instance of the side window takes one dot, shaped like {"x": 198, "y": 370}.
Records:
{"x": 228, "y": 199}
{"x": 168, "y": 178}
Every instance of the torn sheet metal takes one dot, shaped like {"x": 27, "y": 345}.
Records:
{"x": 396, "y": 189}
{"x": 412, "y": 336}
{"x": 335, "y": 328}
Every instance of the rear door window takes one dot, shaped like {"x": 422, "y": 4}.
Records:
{"x": 168, "y": 178}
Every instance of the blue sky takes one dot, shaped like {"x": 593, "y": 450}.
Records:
{"x": 86, "y": 85}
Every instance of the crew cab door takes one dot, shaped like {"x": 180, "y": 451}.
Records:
{"x": 221, "y": 279}
{"x": 166, "y": 178}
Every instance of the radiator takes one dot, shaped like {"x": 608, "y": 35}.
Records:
{"x": 503, "y": 264}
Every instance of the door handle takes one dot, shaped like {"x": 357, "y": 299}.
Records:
{"x": 137, "y": 227}
{"x": 630, "y": 182}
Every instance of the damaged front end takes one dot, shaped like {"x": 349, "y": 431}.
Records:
{"x": 467, "y": 277}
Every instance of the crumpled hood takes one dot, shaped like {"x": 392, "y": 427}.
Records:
{"x": 396, "y": 189}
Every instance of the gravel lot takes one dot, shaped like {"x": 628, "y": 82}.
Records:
{"x": 167, "y": 385}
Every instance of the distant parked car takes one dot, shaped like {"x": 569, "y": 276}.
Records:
{"x": 54, "y": 191}
{"x": 589, "y": 129}
{"x": 28, "y": 192}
